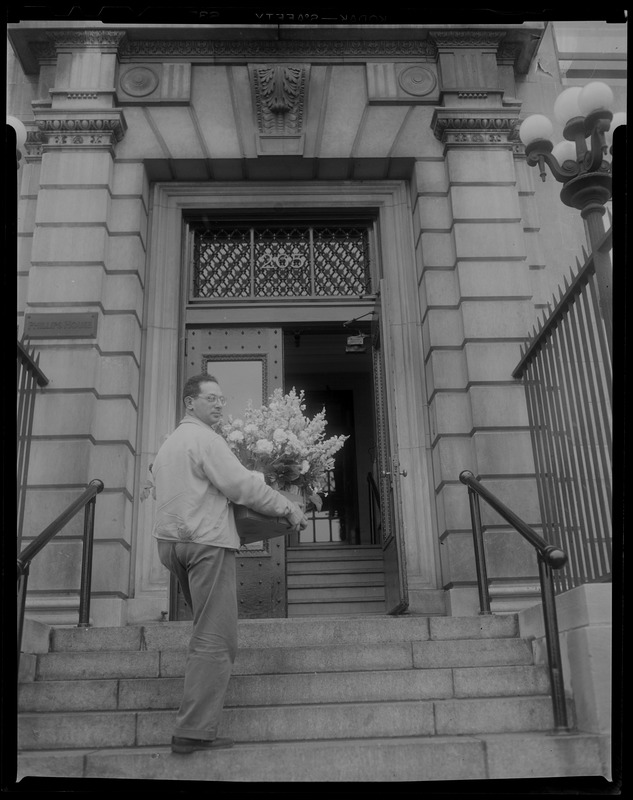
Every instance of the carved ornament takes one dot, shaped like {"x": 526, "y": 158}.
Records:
{"x": 457, "y": 38}
{"x": 279, "y": 97}
{"x": 270, "y": 49}
{"x": 473, "y": 128}
{"x": 417, "y": 81}
{"x": 139, "y": 81}
{"x": 86, "y": 132}
{"x": 241, "y": 50}
{"x": 86, "y": 38}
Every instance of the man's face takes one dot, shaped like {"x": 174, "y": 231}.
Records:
{"x": 206, "y": 406}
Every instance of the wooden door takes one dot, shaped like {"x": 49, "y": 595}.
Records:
{"x": 248, "y": 364}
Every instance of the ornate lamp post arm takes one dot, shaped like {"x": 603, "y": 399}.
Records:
{"x": 539, "y": 153}
{"x": 583, "y": 170}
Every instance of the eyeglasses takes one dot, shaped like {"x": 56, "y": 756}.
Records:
{"x": 214, "y": 398}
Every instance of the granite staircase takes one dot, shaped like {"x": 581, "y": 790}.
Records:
{"x": 335, "y": 579}
{"x": 365, "y": 698}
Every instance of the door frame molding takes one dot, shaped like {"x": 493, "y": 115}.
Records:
{"x": 163, "y": 347}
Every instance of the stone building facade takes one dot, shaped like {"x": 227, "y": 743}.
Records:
{"x": 137, "y": 133}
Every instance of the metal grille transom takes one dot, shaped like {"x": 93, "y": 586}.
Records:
{"x": 289, "y": 262}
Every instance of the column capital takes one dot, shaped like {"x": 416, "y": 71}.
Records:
{"x": 103, "y": 40}
{"x": 80, "y": 130}
{"x": 476, "y": 126}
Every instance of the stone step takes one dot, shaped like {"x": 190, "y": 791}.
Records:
{"x": 445, "y": 717}
{"x": 287, "y": 689}
{"x": 438, "y": 758}
{"x": 334, "y": 553}
{"x": 290, "y": 632}
{"x": 335, "y": 593}
{"x": 305, "y": 579}
{"x": 328, "y": 566}
{"x": 430, "y": 654}
{"x": 351, "y": 606}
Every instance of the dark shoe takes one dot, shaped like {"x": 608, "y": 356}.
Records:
{"x": 181, "y": 745}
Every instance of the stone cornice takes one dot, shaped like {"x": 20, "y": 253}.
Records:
{"x": 94, "y": 39}
{"x": 244, "y": 49}
{"x": 467, "y": 38}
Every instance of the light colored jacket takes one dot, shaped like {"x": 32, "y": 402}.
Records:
{"x": 197, "y": 477}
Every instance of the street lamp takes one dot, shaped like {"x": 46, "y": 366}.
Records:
{"x": 579, "y": 163}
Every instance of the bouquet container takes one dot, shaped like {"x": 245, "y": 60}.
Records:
{"x": 255, "y": 527}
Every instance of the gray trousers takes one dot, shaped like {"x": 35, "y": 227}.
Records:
{"x": 207, "y": 577}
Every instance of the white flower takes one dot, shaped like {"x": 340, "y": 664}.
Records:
{"x": 263, "y": 446}
{"x": 279, "y": 438}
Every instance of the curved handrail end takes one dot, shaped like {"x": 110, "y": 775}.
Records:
{"x": 555, "y": 557}
{"x": 465, "y": 475}
{"x": 100, "y": 484}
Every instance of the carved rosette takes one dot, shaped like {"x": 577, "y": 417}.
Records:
{"x": 279, "y": 92}
{"x": 76, "y": 132}
{"x": 473, "y": 127}
{"x": 139, "y": 81}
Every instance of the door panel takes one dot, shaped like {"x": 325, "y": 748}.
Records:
{"x": 396, "y": 592}
{"x": 248, "y": 364}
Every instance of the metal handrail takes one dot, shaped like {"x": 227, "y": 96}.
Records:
{"x": 86, "y": 500}
{"x": 548, "y": 557}
{"x": 29, "y": 378}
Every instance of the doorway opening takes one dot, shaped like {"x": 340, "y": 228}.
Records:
{"x": 339, "y": 378}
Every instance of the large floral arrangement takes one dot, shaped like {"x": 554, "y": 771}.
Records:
{"x": 286, "y": 446}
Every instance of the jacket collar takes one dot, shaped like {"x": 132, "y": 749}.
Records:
{"x": 189, "y": 418}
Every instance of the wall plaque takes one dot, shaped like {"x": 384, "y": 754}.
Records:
{"x": 61, "y": 326}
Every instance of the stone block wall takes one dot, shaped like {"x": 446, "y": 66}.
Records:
{"x": 476, "y": 309}
{"x": 86, "y": 253}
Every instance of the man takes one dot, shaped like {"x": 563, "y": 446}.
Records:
{"x": 197, "y": 477}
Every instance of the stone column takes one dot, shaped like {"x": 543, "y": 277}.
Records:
{"x": 87, "y": 257}
{"x": 477, "y": 308}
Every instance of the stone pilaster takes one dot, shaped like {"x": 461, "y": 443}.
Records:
{"x": 477, "y": 308}
{"x": 467, "y": 64}
{"x": 87, "y": 255}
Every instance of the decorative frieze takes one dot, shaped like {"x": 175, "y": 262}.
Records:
{"x": 103, "y": 40}
{"x": 84, "y": 132}
{"x": 248, "y": 49}
{"x": 468, "y": 126}
{"x": 478, "y": 39}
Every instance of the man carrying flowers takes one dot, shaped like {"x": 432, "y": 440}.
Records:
{"x": 197, "y": 477}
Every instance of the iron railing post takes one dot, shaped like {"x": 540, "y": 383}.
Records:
{"x": 555, "y": 664}
{"x": 23, "y": 579}
{"x": 86, "y": 565}
{"x": 480, "y": 553}
{"x": 549, "y": 557}
{"x": 87, "y": 500}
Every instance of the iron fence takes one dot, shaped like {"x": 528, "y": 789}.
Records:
{"x": 567, "y": 374}
{"x": 29, "y": 377}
